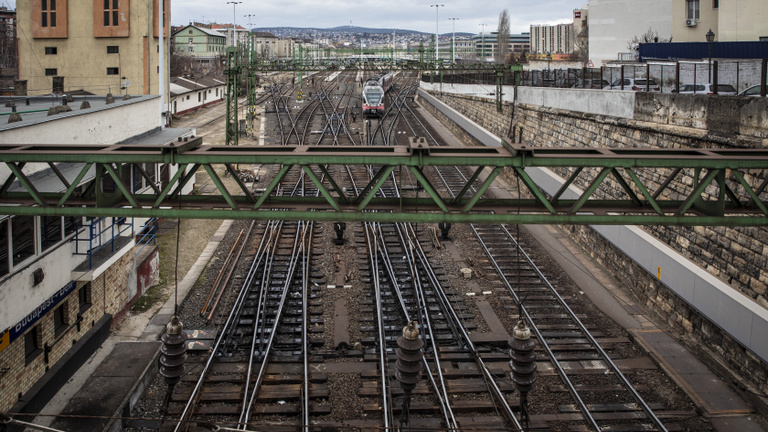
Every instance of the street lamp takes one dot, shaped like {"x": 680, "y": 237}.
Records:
{"x": 234, "y": 19}
{"x": 710, "y": 38}
{"x": 437, "y": 31}
{"x": 549, "y": 59}
{"x": 482, "y": 47}
{"x": 453, "y": 43}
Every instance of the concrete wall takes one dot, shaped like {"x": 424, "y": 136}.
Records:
{"x": 485, "y": 91}
{"x": 722, "y": 120}
{"x": 740, "y": 121}
{"x": 619, "y": 103}
{"x": 729, "y": 262}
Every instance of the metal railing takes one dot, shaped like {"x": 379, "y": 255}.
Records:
{"x": 100, "y": 233}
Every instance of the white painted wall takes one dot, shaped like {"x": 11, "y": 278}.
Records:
{"x": 612, "y": 23}
{"x": 16, "y": 303}
{"x": 105, "y": 126}
{"x": 181, "y": 103}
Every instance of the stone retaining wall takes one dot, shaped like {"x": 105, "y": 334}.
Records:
{"x": 735, "y": 255}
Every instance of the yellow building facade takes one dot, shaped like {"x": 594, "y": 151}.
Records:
{"x": 97, "y": 46}
{"x": 743, "y": 20}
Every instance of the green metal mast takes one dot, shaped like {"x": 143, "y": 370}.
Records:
{"x": 232, "y": 73}
{"x": 301, "y": 70}
{"x": 251, "y": 83}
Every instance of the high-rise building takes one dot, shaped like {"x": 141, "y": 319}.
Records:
{"x": 552, "y": 39}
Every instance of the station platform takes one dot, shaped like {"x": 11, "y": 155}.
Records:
{"x": 105, "y": 395}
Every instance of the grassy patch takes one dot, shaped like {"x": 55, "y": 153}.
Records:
{"x": 195, "y": 235}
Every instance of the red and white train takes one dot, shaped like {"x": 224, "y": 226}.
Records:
{"x": 373, "y": 94}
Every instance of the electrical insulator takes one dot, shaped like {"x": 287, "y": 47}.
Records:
{"x": 174, "y": 351}
{"x": 339, "y": 227}
{"x": 408, "y": 364}
{"x": 523, "y": 365}
{"x": 445, "y": 228}
{"x": 409, "y": 357}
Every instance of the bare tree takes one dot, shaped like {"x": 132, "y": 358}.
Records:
{"x": 502, "y": 38}
{"x": 650, "y": 36}
{"x": 581, "y": 48}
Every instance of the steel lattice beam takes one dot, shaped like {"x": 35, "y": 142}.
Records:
{"x": 655, "y": 187}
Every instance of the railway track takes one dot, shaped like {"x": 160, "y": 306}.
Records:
{"x": 309, "y": 335}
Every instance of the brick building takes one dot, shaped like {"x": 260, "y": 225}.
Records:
{"x": 94, "y": 46}
{"x": 64, "y": 279}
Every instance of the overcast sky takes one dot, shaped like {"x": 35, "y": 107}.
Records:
{"x": 403, "y": 14}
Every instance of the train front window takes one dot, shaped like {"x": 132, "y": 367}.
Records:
{"x": 374, "y": 98}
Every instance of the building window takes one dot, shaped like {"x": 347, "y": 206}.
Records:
{"x": 23, "y": 229}
{"x": 61, "y": 318}
{"x": 113, "y": 49}
{"x": 51, "y": 231}
{"x": 84, "y": 297}
{"x": 4, "y": 248}
{"x": 693, "y": 9}
{"x": 191, "y": 49}
{"x": 110, "y": 13}
{"x": 113, "y": 71}
{"x": 51, "y": 72}
{"x": 48, "y": 11}
{"x": 715, "y": 4}
{"x": 71, "y": 225}
{"x": 33, "y": 343}
{"x": 51, "y": 50}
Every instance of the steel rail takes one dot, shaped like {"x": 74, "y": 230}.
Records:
{"x": 542, "y": 341}
{"x": 374, "y": 256}
{"x": 297, "y": 250}
{"x": 490, "y": 381}
{"x": 440, "y": 385}
{"x": 191, "y": 401}
{"x": 603, "y": 355}
{"x": 305, "y": 288}
{"x": 266, "y": 259}
{"x": 449, "y": 310}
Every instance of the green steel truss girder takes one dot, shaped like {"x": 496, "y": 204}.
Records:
{"x": 686, "y": 187}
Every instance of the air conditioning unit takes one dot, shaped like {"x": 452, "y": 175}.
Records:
{"x": 690, "y": 22}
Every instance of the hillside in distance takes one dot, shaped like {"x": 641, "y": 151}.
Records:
{"x": 295, "y": 31}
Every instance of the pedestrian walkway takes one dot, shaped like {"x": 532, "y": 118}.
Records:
{"x": 112, "y": 380}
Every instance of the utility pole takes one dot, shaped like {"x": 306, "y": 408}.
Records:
{"x": 482, "y": 47}
{"x": 234, "y": 19}
{"x": 437, "y": 31}
{"x": 453, "y": 41}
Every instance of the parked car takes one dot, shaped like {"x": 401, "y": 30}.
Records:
{"x": 636, "y": 84}
{"x": 751, "y": 91}
{"x": 591, "y": 84}
{"x": 722, "y": 89}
